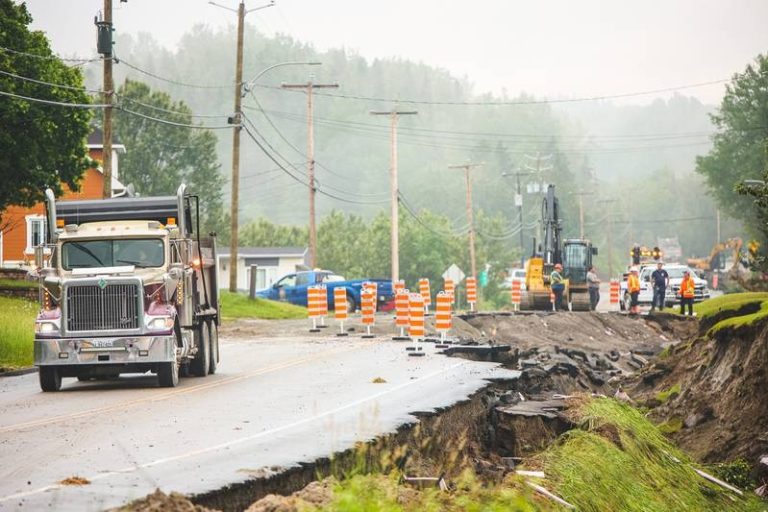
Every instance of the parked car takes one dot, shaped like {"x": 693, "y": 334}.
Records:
{"x": 293, "y": 288}
{"x": 515, "y": 274}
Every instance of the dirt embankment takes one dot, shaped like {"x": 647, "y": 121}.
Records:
{"x": 712, "y": 392}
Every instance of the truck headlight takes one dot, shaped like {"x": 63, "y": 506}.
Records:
{"x": 46, "y": 327}
{"x": 163, "y": 323}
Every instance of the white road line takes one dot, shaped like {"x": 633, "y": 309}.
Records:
{"x": 241, "y": 440}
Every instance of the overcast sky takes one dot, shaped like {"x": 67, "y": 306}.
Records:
{"x": 551, "y": 48}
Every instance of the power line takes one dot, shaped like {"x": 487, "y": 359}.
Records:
{"x": 522, "y": 102}
{"x": 48, "y": 57}
{"x": 51, "y": 102}
{"x": 173, "y": 123}
{"x": 170, "y": 111}
{"x": 49, "y": 84}
{"x": 175, "y": 82}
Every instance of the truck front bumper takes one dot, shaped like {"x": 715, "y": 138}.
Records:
{"x": 111, "y": 350}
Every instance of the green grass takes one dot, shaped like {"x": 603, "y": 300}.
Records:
{"x": 618, "y": 460}
{"x": 17, "y": 326}
{"x": 743, "y": 320}
{"x": 17, "y": 284}
{"x": 238, "y": 305}
{"x": 728, "y": 302}
{"x": 664, "y": 396}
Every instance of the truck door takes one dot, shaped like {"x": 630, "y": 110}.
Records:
{"x": 282, "y": 288}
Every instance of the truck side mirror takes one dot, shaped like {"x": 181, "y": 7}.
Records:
{"x": 40, "y": 256}
{"x": 594, "y": 251}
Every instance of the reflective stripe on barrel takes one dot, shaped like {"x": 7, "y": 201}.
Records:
{"x": 450, "y": 289}
{"x": 315, "y": 301}
{"x": 401, "y": 308}
{"x": 424, "y": 291}
{"x": 615, "y": 291}
{"x": 340, "y": 303}
{"x": 443, "y": 312}
{"x": 375, "y": 290}
{"x": 471, "y": 290}
{"x": 323, "y": 296}
{"x": 399, "y": 286}
{"x": 416, "y": 316}
{"x": 368, "y": 306}
{"x": 517, "y": 295}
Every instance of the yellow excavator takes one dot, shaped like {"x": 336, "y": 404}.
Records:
{"x": 575, "y": 254}
{"x": 716, "y": 260}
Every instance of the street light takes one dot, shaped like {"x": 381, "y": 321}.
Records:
{"x": 248, "y": 86}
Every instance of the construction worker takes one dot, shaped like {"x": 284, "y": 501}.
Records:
{"x": 633, "y": 287}
{"x": 687, "y": 293}
{"x": 593, "y": 285}
{"x": 557, "y": 284}
{"x": 660, "y": 280}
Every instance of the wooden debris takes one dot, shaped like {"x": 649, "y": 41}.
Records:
{"x": 553, "y": 497}
{"x": 719, "y": 482}
{"x": 534, "y": 474}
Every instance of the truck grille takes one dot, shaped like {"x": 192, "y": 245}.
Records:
{"x": 94, "y": 308}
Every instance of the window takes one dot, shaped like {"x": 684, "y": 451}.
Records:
{"x": 141, "y": 253}
{"x": 287, "y": 281}
{"x": 35, "y": 232}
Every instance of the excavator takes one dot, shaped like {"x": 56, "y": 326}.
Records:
{"x": 716, "y": 261}
{"x": 575, "y": 254}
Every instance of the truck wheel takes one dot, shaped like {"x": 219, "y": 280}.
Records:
{"x": 50, "y": 378}
{"x": 626, "y": 303}
{"x": 201, "y": 364}
{"x": 168, "y": 374}
{"x": 214, "y": 339}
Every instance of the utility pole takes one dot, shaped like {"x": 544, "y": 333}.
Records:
{"x": 309, "y": 86}
{"x": 237, "y": 126}
{"x": 470, "y": 216}
{"x": 519, "y": 204}
{"x": 538, "y": 171}
{"x": 107, "y": 92}
{"x": 395, "y": 238}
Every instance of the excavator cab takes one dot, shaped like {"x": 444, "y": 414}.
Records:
{"x": 577, "y": 258}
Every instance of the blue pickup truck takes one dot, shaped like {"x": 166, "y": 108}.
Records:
{"x": 293, "y": 288}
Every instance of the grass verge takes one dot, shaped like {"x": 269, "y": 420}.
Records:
{"x": 18, "y": 284}
{"x": 17, "y": 325}
{"x": 238, "y": 305}
{"x": 732, "y": 301}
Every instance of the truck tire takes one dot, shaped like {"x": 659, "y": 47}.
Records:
{"x": 214, "y": 339}
{"x": 50, "y": 378}
{"x": 351, "y": 305}
{"x": 168, "y": 374}
{"x": 201, "y": 364}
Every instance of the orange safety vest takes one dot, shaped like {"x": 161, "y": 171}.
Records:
{"x": 633, "y": 283}
{"x": 688, "y": 288}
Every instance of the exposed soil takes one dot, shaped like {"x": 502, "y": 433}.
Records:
{"x": 722, "y": 402}
{"x": 161, "y": 502}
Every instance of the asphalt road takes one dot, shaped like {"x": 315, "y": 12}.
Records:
{"x": 273, "y": 403}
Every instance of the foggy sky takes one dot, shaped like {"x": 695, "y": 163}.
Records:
{"x": 550, "y": 48}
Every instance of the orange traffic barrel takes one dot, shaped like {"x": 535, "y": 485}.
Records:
{"x": 416, "y": 323}
{"x": 314, "y": 305}
{"x": 368, "y": 310}
{"x": 443, "y": 315}
{"x": 425, "y": 293}
{"x": 398, "y": 286}
{"x": 615, "y": 291}
{"x": 375, "y": 289}
{"x": 401, "y": 312}
{"x": 450, "y": 288}
{"x": 323, "y": 297}
{"x": 340, "y": 308}
{"x": 472, "y": 292}
{"x": 517, "y": 294}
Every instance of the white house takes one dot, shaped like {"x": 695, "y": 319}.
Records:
{"x": 272, "y": 263}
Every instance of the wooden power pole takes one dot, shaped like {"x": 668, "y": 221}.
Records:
{"x": 470, "y": 216}
{"x": 107, "y": 92}
{"x": 395, "y": 237}
{"x": 309, "y": 86}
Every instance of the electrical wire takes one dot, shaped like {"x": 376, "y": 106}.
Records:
{"x": 516, "y": 102}
{"x": 171, "y": 81}
{"x": 173, "y": 123}
{"x": 170, "y": 111}
{"x": 49, "y": 84}
{"x": 51, "y": 57}
{"x": 51, "y": 102}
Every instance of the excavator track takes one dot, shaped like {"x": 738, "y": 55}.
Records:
{"x": 580, "y": 301}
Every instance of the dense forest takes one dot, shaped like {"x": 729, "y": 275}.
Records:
{"x": 632, "y": 165}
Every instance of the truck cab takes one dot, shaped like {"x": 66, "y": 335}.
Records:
{"x": 127, "y": 289}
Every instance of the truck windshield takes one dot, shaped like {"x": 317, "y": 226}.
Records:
{"x": 139, "y": 252}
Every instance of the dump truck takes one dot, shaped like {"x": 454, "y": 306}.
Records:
{"x": 127, "y": 285}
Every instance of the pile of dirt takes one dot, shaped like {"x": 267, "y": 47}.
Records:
{"x": 710, "y": 393}
{"x": 158, "y": 501}
{"x": 318, "y": 494}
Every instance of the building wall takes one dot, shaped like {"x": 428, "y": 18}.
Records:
{"x": 14, "y": 237}
{"x": 269, "y": 273}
